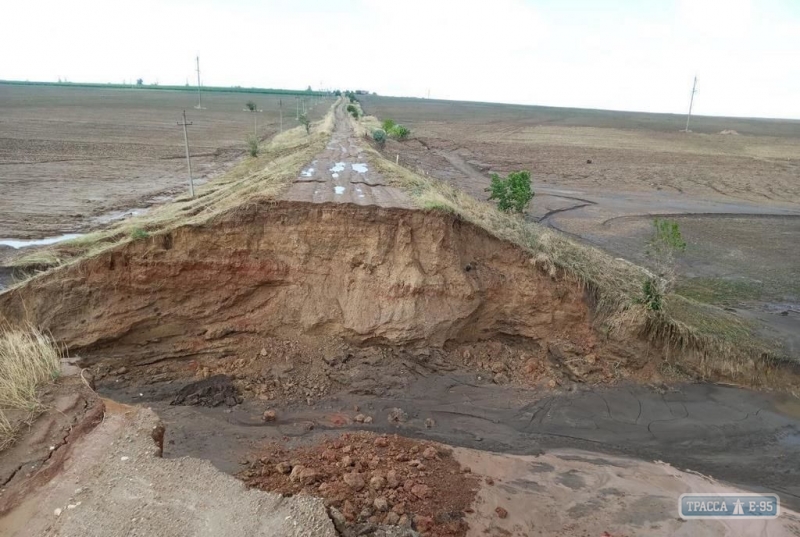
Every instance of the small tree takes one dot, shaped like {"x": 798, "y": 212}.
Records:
{"x": 353, "y": 110}
{"x": 251, "y": 106}
{"x": 139, "y": 82}
{"x": 665, "y": 244}
{"x": 252, "y": 145}
{"x": 379, "y": 135}
{"x": 304, "y": 121}
{"x": 512, "y": 193}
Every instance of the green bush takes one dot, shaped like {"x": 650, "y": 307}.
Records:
{"x": 139, "y": 234}
{"x": 252, "y": 145}
{"x": 251, "y": 106}
{"x": 653, "y": 297}
{"x": 399, "y": 132}
{"x": 513, "y": 193}
{"x": 664, "y": 245}
{"x": 388, "y": 125}
{"x": 353, "y": 110}
{"x": 379, "y": 135}
{"x": 304, "y": 121}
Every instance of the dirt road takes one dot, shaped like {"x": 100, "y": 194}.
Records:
{"x": 341, "y": 174}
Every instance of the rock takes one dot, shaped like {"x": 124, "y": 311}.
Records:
{"x": 498, "y": 367}
{"x": 489, "y": 481}
{"x": 377, "y": 483}
{"x": 380, "y": 503}
{"x": 269, "y": 415}
{"x": 500, "y": 378}
{"x": 354, "y": 480}
{"x": 339, "y": 521}
{"x": 57, "y": 511}
{"x": 381, "y": 442}
{"x": 347, "y": 449}
{"x": 365, "y": 513}
{"x": 399, "y": 508}
{"x": 368, "y": 419}
{"x": 467, "y": 470}
{"x": 429, "y": 423}
{"x": 374, "y": 462}
{"x": 590, "y": 358}
{"x": 121, "y": 371}
{"x": 263, "y": 351}
{"x": 349, "y": 510}
{"x": 308, "y": 476}
{"x": 502, "y": 513}
{"x": 398, "y": 415}
{"x": 551, "y": 383}
{"x": 283, "y": 468}
{"x": 416, "y": 463}
{"x": 294, "y": 476}
{"x": 391, "y": 519}
{"x": 329, "y": 455}
{"x": 423, "y": 523}
{"x": 391, "y": 479}
{"x": 404, "y": 521}
{"x": 347, "y": 460}
{"x": 429, "y": 453}
{"x": 421, "y": 491}
{"x": 360, "y": 418}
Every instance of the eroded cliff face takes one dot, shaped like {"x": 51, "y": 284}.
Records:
{"x": 368, "y": 275}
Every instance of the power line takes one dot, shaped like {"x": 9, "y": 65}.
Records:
{"x": 199, "y": 94}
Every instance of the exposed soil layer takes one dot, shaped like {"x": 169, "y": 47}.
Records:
{"x": 370, "y": 480}
{"x": 364, "y": 275}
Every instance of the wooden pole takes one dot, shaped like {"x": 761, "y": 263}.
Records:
{"x": 184, "y": 124}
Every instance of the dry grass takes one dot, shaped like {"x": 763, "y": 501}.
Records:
{"x": 28, "y": 359}
{"x": 264, "y": 176}
{"x": 705, "y": 339}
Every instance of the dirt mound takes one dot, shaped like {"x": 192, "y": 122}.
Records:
{"x": 369, "y": 480}
{"x": 729, "y": 132}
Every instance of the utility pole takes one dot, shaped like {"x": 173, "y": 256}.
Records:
{"x": 199, "y": 96}
{"x": 184, "y": 124}
{"x": 691, "y": 103}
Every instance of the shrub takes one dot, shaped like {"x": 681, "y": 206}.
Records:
{"x": 662, "y": 248}
{"x": 400, "y": 132}
{"x": 353, "y": 110}
{"x": 252, "y": 145}
{"x": 379, "y": 135}
{"x": 251, "y": 106}
{"x": 513, "y": 193}
{"x": 139, "y": 234}
{"x": 304, "y": 121}
{"x": 388, "y": 125}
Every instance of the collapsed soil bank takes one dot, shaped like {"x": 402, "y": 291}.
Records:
{"x": 368, "y": 275}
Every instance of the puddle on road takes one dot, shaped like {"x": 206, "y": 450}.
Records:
{"x": 335, "y": 175}
{"x": 338, "y": 167}
{"x": 307, "y": 173}
{"x": 17, "y": 243}
{"x": 359, "y": 167}
{"x": 339, "y": 190}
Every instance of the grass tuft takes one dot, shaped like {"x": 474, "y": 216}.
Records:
{"x": 28, "y": 360}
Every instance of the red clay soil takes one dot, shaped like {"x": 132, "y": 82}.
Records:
{"x": 374, "y": 479}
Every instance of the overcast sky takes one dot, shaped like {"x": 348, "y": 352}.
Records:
{"x": 615, "y": 54}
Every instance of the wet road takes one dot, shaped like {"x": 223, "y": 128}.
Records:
{"x": 342, "y": 174}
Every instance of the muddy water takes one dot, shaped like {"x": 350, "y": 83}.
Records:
{"x": 737, "y": 436}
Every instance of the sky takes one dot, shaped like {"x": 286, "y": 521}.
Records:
{"x": 612, "y": 54}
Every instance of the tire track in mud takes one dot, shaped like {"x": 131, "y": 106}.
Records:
{"x": 633, "y": 217}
